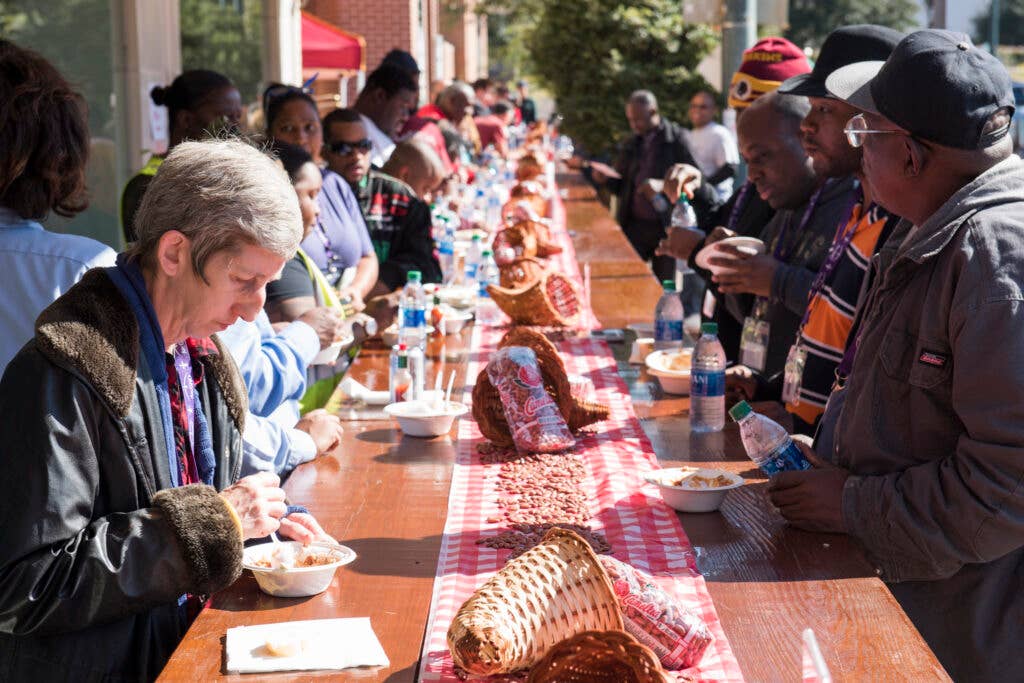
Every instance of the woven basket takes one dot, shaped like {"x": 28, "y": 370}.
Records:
{"x": 514, "y": 242}
{"x": 598, "y": 657}
{"x": 529, "y": 167}
{"x": 550, "y": 300}
{"x": 520, "y": 272}
{"x": 549, "y": 593}
{"x": 489, "y": 412}
{"x": 542, "y": 234}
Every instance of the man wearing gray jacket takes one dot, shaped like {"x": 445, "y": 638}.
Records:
{"x": 925, "y": 437}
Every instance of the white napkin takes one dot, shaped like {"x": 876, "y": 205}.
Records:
{"x": 327, "y": 644}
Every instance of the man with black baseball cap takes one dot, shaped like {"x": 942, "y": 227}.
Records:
{"x": 925, "y": 435}
{"x": 864, "y": 227}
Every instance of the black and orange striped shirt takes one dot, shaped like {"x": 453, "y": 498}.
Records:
{"x": 832, "y": 310}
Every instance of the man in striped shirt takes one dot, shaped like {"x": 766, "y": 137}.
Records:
{"x": 835, "y": 295}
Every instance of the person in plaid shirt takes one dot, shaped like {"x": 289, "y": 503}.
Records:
{"x": 397, "y": 219}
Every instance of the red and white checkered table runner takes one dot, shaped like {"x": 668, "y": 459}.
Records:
{"x": 641, "y": 529}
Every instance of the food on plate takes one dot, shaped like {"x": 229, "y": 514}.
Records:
{"x": 699, "y": 481}
{"x": 678, "y": 362}
{"x": 284, "y": 557}
{"x": 677, "y": 635}
{"x": 284, "y": 645}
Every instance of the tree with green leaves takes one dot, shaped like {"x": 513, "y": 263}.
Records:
{"x": 224, "y": 37}
{"x": 1011, "y": 23}
{"x": 591, "y": 54}
{"x": 810, "y": 21}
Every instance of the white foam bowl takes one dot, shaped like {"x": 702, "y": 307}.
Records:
{"x": 454, "y": 321}
{"x": 331, "y": 353}
{"x": 297, "y": 582}
{"x": 672, "y": 381}
{"x": 687, "y": 499}
{"x": 420, "y": 418}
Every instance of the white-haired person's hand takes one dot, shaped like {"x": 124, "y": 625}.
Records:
{"x": 326, "y": 322}
{"x": 303, "y": 527}
{"x": 258, "y": 501}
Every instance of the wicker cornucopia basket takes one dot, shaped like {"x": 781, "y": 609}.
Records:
{"x": 514, "y": 242}
{"x": 549, "y": 593}
{"x": 520, "y": 272}
{"x": 489, "y": 412}
{"x": 598, "y": 657}
{"x": 552, "y": 300}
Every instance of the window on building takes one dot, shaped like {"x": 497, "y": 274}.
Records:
{"x": 54, "y": 28}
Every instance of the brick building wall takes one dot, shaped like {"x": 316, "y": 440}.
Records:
{"x": 388, "y": 24}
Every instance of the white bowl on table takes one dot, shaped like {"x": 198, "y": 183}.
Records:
{"x": 681, "y": 492}
{"x": 294, "y": 582}
{"x": 331, "y": 353}
{"x": 672, "y": 380}
{"x": 453, "y": 321}
{"x": 422, "y": 418}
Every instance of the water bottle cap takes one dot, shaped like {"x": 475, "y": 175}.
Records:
{"x": 476, "y": 238}
{"x": 709, "y": 328}
{"x": 740, "y": 410}
{"x": 668, "y": 285}
{"x": 414, "y": 276}
{"x": 488, "y": 252}
{"x": 437, "y": 300}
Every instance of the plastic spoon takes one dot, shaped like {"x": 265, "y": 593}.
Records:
{"x": 448, "y": 393}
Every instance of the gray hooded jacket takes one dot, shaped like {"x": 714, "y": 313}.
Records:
{"x": 931, "y": 425}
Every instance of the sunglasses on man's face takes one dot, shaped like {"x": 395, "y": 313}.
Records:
{"x": 344, "y": 148}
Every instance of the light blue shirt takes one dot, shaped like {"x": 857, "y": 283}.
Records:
{"x": 36, "y": 267}
{"x": 273, "y": 366}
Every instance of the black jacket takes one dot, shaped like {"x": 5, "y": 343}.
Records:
{"x": 672, "y": 147}
{"x": 96, "y": 546}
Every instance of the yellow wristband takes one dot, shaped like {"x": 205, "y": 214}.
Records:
{"x": 234, "y": 516}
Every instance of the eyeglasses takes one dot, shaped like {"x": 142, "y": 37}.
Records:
{"x": 857, "y": 128}
{"x": 344, "y": 148}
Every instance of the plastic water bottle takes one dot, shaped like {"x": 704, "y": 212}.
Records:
{"x": 446, "y": 252}
{"x": 492, "y": 218}
{"x": 412, "y": 327}
{"x": 766, "y": 442}
{"x": 707, "y": 382}
{"x": 417, "y": 370}
{"x": 486, "y": 274}
{"x": 474, "y": 254}
{"x": 668, "y": 319}
{"x": 683, "y": 216}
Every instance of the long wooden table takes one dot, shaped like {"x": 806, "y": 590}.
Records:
{"x": 386, "y": 497}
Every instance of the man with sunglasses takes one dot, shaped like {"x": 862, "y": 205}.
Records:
{"x": 397, "y": 220}
{"x": 925, "y": 430}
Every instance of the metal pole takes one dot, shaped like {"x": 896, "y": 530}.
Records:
{"x": 739, "y": 31}
{"x": 993, "y": 38}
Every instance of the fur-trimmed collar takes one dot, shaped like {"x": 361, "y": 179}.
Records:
{"x": 92, "y": 330}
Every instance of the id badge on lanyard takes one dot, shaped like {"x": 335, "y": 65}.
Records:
{"x": 793, "y": 375}
{"x": 755, "y": 336}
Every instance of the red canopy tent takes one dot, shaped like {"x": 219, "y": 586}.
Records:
{"x": 333, "y": 52}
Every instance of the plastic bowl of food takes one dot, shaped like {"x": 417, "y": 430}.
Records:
{"x": 458, "y": 296}
{"x": 291, "y": 570}
{"x": 331, "y": 353}
{"x": 453, "y": 321}
{"x": 693, "y": 489}
{"x": 672, "y": 368}
{"x": 425, "y": 418}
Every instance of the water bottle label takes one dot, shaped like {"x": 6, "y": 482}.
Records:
{"x": 471, "y": 271}
{"x": 787, "y": 458}
{"x": 707, "y": 383}
{"x": 668, "y": 330}
{"x": 414, "y": 317}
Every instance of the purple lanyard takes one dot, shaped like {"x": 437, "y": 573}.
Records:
{"x": 332, "y": 258}
{"x": 784, "y": 243}
{"x": 844, "y": 235}
{"x": 737, "y": 208}
{"x": 183, "y": 366}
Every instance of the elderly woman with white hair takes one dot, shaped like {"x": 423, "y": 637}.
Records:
{"x": 122, "y": 422}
